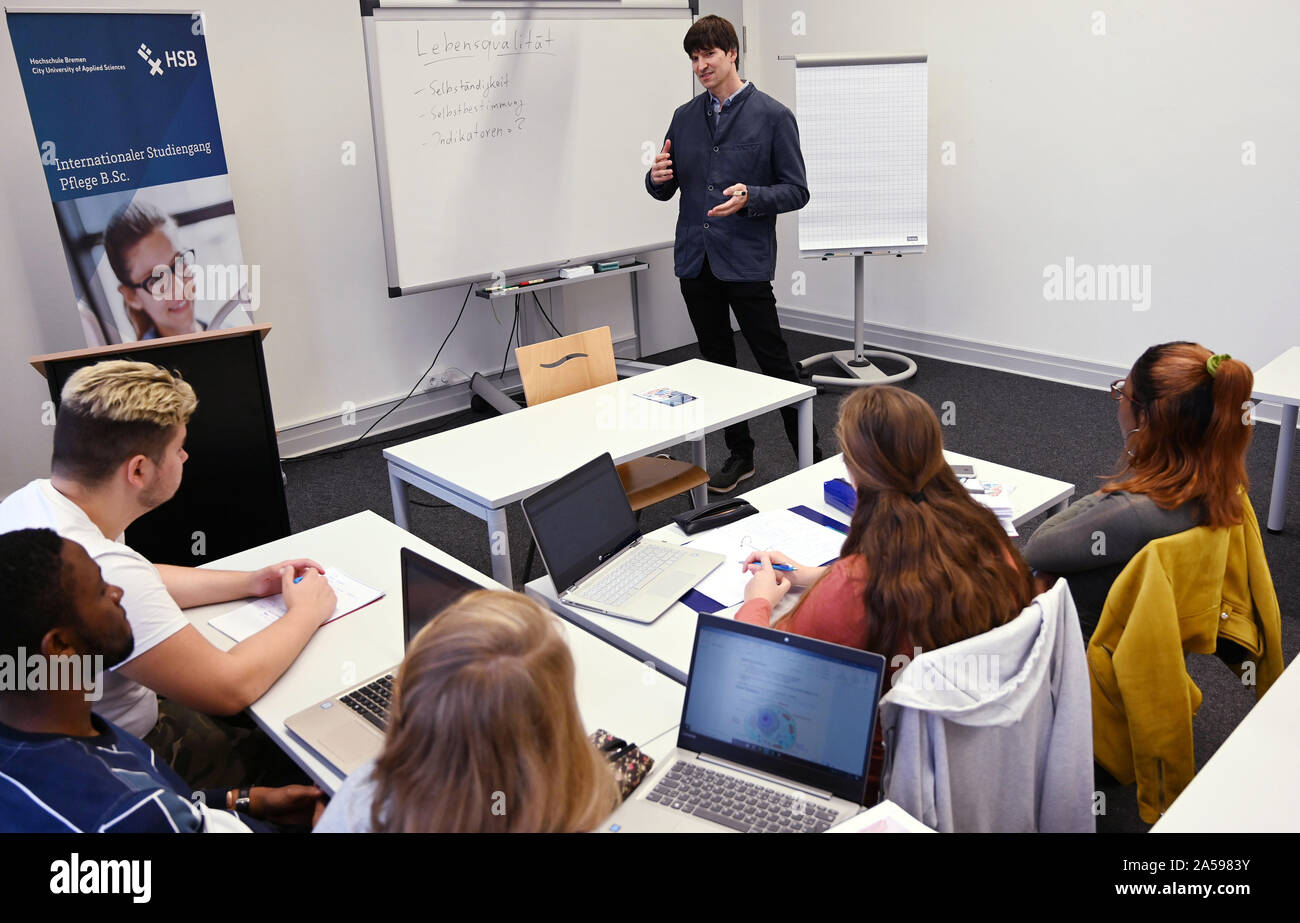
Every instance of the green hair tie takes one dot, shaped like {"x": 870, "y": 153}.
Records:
{"x": 1212, "y": 364}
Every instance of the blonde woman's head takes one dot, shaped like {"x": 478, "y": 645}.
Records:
{"x": 485, "y": 733}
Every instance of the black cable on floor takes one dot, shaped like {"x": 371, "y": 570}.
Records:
{"x": 451, "y": 421}
{"x": 455, "y": 324}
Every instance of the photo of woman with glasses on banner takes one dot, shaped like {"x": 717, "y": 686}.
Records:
{"x": 170, "y": 262}
{"x": 155, "y": 273}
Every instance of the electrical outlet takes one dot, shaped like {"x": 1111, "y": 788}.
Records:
{"x": 439, "y": 378}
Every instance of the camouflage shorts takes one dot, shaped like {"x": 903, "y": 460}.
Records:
{"x": 211, "y": 752}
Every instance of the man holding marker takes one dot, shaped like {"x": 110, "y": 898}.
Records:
{"x": 734, "y": 154}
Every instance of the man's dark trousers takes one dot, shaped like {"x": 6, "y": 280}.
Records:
{"x": 707, "y": 302}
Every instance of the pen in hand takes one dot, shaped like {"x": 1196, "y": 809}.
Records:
{"x": 786, "y": 568}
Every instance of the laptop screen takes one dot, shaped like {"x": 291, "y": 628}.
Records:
{"x": 427, "y": 589}
{"x": 787, "y": 705}
{"x": 580, "y": 520}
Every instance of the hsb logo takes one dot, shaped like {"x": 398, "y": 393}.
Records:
{"x": 182, "y": 58}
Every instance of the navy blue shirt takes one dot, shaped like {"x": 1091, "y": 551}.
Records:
{"x": 53, "y": 783}
{"x": 755, "y": 141}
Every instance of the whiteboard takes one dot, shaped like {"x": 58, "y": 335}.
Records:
{"x": 520, "y": 142}
{"x": 863, "y": 127}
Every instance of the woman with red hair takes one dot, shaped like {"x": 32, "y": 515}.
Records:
{"x": 1186, "y": 419}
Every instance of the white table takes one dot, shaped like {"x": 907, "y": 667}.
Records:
{"x": 1249, "y": 785}
{"x": 666, "y": 643}
{"x": 614, "y": 691}
{"x": 1279, "y": 383}
{"x": 484, "y": 467}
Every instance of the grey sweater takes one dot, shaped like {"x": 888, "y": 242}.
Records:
{"x": 994, "y": 733}
{"x": 1091, "y": 541}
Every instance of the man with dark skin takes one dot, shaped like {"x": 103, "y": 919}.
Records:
{"x": 66, "y": 768}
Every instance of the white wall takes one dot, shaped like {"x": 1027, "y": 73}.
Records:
{"x": 1117, "y": 148}
{"x": 1122, "y": 148}
{"x": 291, "y": 89}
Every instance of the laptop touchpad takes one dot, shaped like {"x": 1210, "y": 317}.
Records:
{"x": 354, "y": 740}
{"x": 671, "y": 584}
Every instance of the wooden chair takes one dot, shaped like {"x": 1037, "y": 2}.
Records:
{"x": 566, "y": 365}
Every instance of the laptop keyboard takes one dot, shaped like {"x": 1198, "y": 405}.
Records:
{"x": 740, "y": 805}
{"x": 623, "y": 580}
{"x": 372, "y": 700}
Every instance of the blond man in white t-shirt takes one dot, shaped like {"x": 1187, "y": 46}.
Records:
{"x": 119, "y": 450}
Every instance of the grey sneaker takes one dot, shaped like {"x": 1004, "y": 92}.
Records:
{"x": 736, "y": 469}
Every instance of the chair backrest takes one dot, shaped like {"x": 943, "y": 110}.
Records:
{"x": 566, "y": 365}
{"x": 1016, "y": 698}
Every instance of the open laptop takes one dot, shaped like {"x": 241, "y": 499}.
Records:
{"x": 591, "y": 546}
{"x": 776, "y": 736}
{"x": 346, "y": 730}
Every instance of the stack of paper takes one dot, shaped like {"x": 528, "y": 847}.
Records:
{"x": 779, "y": 530}
{"x": 246, "y": 621}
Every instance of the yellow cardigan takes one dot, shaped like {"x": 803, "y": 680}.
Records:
{"x": 1178, "y": 595}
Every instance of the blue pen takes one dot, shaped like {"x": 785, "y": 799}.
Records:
{"x": 299, "y": 579}
{"x": 785, "y": 567}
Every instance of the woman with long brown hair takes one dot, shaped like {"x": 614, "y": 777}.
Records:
{"x": 924, "y": 565}
{"x": 1185, "y": 416}
{"x": 484, "y": 735}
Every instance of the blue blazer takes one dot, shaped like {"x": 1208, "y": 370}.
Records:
{"x": 755, "y": 142}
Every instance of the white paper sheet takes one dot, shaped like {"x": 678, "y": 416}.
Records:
{"x": 778, "y": 530}
{"x": 997, "y": 497}
{"x": 246, "y": 621}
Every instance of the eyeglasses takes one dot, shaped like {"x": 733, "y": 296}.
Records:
{"x": 160, "y": 281}
{"x": 1117, "y": 392}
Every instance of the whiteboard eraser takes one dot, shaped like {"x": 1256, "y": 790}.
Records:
{"x": 573, "y": 272}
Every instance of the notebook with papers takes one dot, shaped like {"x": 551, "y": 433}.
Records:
{"x": 591, "y": 546}
{"x": 348, "y": 729}
{"x": 776, "y": 736}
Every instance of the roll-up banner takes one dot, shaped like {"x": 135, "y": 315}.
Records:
{"x": 127, "y": 134}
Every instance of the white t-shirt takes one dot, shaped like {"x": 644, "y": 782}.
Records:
{"x": 153, "y": 614}
{"x": 349, "y": 809}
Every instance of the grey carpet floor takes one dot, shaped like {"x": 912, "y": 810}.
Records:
{"x": 1048, "y": 428}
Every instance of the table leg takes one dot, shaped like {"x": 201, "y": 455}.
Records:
{"x": 499, "y": 544}
{"x": 699, "y": 495}
{"x": 1059, "y": 507}
{"x": 1282, "y": 468}
{"x": 398, "y": 489}
{"x": 805, "y": 432}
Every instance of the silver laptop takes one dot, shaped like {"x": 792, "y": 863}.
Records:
{"x": 348, "y": 729}
{"x": 776, "y": 736}
{"x": 591, "y": 546}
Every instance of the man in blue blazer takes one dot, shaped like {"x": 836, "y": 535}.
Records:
{"x": 734, "y": 154}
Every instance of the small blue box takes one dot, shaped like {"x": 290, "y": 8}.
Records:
{"x": 840, "y": 494}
